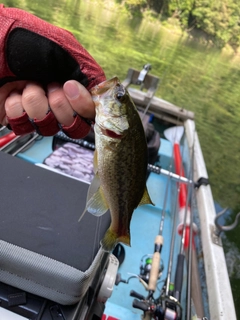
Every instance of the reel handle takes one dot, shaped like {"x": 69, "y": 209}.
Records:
{"x": 140, "y": 305}
{"x": 136, "y": 295}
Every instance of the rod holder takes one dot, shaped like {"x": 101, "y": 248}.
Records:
{"x": 220, "y": 228}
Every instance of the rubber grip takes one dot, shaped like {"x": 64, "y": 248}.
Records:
{"x": 179, "y": 277}
{"x": 7, "y": 138}
{"x": 140, "y": 305}
{"x": 136, "y": 295}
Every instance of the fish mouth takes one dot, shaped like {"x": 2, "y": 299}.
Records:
{"x": 104, "y": 86}
{"x": 111, "y": 134}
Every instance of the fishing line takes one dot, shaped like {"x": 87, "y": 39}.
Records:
{"x": 159, "y": 239}
{"x": 170, "y": 263}
{"x": 153, "y": 94}
{"x": 189, "y": 268}
{"x": 181, "y": 256}
{"x": 187, "y": 248}
{"x": 183, "y": 199}
{"x": 175, "y": 210}
{"x": 22, "y": 148}
{"x": 95, "y": 238}
{"x": 10, "y": 142}
{"x": 190, "y": 247}
{"x": 96, "y": 235}
{"x": 148, "y": 106}
{"x": 154, "y": 272}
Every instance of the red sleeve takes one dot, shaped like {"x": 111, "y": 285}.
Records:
{"x": 12, "y": 18}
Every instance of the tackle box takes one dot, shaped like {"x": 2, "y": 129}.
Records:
{"x": 51, "y": 265}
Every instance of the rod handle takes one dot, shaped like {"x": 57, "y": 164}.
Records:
{"x": 7, "y": 138}
{"x": 179, "y": 277}
{"x": 154, "y": 272}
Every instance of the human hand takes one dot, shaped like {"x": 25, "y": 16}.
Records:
{"x": 39, "y": 59}
{"x": 25, "y": 106}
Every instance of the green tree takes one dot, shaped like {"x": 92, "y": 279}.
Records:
{"x": 134, "y": 4}
{"x": 181, "y": 9}
{"x": 218, "y": 18}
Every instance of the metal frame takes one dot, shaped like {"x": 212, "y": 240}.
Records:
{"x": 221, "y": 305}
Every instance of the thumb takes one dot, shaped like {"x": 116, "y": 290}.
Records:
{"x": 80, "y": 99}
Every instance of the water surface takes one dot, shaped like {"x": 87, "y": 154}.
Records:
{"x": 193, "y": 75}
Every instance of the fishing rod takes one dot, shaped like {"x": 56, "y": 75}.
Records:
{"x": 150, "y": 167}
{"x": 2, "y": 128}
{"x": 173, "y": 176}
{"x": 189, "y": 268}
{"x": 7, "y": 138}
{"x": 8, "y": 142}
{"x": 166, "y": 306}
{"x": 180, "y": 262}
{"x": 11, "y": 138}
{"x": 186, "y": 225}
{"x": 174, "y": 135}
{"x": 170, "y": 264}
{"x": 148, "y": 304}
{"x": 153, "y": 277}
{"x": 35, "y": 136}
{"x": 171, "y": 307}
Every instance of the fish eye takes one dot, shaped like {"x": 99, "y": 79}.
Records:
{"x": 120, "y": 94}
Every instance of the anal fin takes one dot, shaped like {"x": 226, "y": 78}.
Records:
{"x": 111, "y": 239}
{"x": 96, "y": 203}
{"x": 146, "y": 198}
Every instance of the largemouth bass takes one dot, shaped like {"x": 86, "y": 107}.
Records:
{"x": 120, "y": 161}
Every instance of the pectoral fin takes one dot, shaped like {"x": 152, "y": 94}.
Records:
{"x": 93, "y": 188}
{"x": 146, "y": 198}
{"x": 96, "y": 203}
{"x": 95, "y": 160}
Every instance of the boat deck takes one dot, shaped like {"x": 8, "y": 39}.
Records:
{"x": 142, "y": 234}
{"x": 144, "y": 228}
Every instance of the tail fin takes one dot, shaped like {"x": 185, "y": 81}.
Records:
{"x": 111, "y": 239}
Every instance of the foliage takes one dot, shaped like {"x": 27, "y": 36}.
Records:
{"x": 134, "y": 4}
{"x": 199, "y": 78}
{"x": 218, "y": 19}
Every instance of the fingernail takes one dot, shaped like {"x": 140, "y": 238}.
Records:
{"x": 13, "y": 93}
{"x": 53, "y": 87}
{"x": 71, "y": 90}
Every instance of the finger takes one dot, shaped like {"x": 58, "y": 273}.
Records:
{"x": 60, "y": 105}
{"x": 5, "y": 90}
{"x": 80, "y": 99}
{"x": 13, "y": 105}
{"x": 34, "y": 101}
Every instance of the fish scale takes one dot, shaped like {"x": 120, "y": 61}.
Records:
{"x": 121, "y": 161}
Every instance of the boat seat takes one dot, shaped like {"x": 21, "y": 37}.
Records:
{"x": 44, "y": 249}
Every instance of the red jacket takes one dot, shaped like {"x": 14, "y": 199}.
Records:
{"x": 26, "y": 57}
